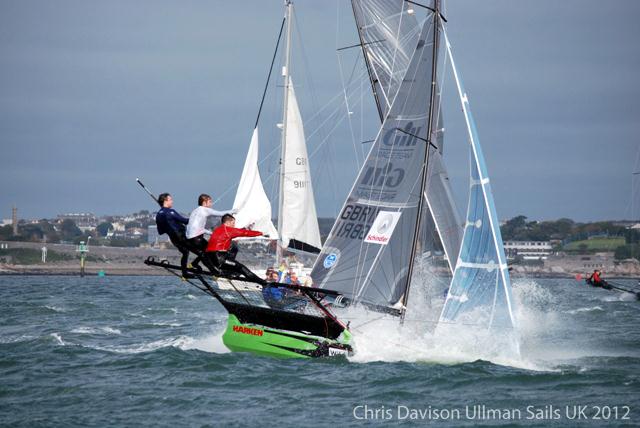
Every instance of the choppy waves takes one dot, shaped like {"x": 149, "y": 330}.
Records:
{"x": 127, "y": 351}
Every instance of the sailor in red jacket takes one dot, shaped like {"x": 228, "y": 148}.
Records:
{"x": 596, "y": 280}
{"x": 220, "y": 252}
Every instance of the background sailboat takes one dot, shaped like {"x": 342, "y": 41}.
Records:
{"x": 297, "y": 219}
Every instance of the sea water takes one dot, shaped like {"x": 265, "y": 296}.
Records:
{"x": 147, "y": 351}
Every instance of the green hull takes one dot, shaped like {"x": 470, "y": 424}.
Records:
{"x": 257, "y": 339}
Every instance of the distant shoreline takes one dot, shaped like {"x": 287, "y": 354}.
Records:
{"x": 127, "y": 261}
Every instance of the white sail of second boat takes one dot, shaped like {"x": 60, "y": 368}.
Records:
{"x": 300, "y": 222}
{"x": 251, "y": 202}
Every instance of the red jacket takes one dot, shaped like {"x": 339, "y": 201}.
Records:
{"x": 222, "y": 235}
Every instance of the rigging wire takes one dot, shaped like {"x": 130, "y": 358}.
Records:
{"x": 266, "y": 85}
{"x": 346, "y": 100}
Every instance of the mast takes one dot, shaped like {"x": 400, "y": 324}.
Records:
{"x": 372, "y": 78}
{"x": 423, "y": 184}
{"x": 283, "y": 144}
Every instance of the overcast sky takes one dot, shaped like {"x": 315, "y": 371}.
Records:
{"x": 94, "y": 94}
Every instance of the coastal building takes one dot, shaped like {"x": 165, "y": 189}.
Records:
{"x": 134, "y": 233}
{"x": 153, "y": 238}
{"x": 118, "y": 226}
{"x": 86, "y": 222}
{"x": 528, "y": 250}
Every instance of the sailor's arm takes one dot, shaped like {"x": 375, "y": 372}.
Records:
{"x": 211, "y": 212}
{"x": 179, "y": 218}
{"x": 237, "y": 233}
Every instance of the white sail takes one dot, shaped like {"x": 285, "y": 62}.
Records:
{"x": 300, "y": 222}
{"x": 251, "y": 200}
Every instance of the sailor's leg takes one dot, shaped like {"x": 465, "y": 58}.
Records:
{"x": 181, "y": 244}
{"x": 197, "y": 246}
{"x": 184, "y": 260}
{"x": 238, "y": 267}
{"x": 202, "y": 247}
{"x": 210, "y": 260}
{"x": 233, "y": 251}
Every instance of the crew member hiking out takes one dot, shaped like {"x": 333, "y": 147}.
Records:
{"x": 169, "y": 221}
{"x": 218, "y": 251}
{"x": 197, "y": 234}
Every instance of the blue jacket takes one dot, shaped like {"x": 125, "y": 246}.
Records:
{"x": 170, "y": 221}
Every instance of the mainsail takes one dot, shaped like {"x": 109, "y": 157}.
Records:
{"x": 389, "y": 35}
{"x": 480, "y": 291}
{"x": 367, "y": 254}
{"x": 251, "y": 202}
{"x": 300, "y": 222}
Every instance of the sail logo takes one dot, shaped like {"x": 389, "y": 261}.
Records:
{"x": 383, "y": 227}
{"x": 330, "y": 260}
{"x": 247, "y": 330}
{"x": 406, "y": 137}
{"x": 383, "y": 176}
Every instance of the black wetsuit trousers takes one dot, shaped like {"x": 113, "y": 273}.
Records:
{"x": 180, "y": 242}
{"x": 224, "y": 261}
{"x": 197, "y": 245}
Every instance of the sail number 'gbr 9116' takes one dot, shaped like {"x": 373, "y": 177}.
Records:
{"x": 355, "y": 221}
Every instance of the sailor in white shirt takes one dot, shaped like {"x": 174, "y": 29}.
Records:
{"x": 197, "y": 233}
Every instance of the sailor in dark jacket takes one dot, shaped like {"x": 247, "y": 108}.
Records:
{"x": 169, "y": 221}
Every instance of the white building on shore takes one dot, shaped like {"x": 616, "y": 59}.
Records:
{"x": 528, "y": 250}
